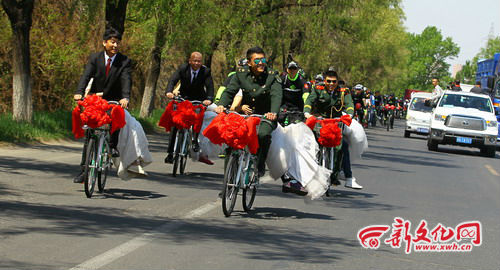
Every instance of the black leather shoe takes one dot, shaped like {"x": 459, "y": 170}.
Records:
{"x": 79, "y": 178}
{"x": 169, "y": 158}
{"x": 115, "y": 153}
{"x": 196, "y": 146}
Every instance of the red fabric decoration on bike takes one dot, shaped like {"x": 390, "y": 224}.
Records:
{"x": 166, "y": 117}
{"x": 117, "y": 118}
{"x": 77, "y": 123}
{"x": 387, "y": 106}
{"x": 213, "y": 130}
{"x": 346, "y": 119}
{"x": 234, "y": 130}
{"x": 235, "y": 133}
{"x": 199, "y": 118}
{"x": 393, "y": 107}
{"x": 330, "y": 135}
{"x": 182, "y": 117}
{"x": 253, "y": 142}
{"x": 95, "y": 114}
{"x": 311, "y": 122}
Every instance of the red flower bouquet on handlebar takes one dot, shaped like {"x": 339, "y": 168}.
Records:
{"x": 182, "y": 115}
{"x": 330, "y": 135}
{"x": 95, "y": 115}
{"x": 235, "y": 131}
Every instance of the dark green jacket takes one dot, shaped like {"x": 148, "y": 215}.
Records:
{"x": 329, "y": 105}
{"x": 263, "y": 94}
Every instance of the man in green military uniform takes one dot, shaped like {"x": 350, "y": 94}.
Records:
{"x": 262, "y": 93}
{"x": 329, "y": 100}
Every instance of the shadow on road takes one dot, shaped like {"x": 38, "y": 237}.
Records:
{"x": 11, "y": 165}
{"x": 279, "y": 213}
{"x": 130, "y": 194}
{"x": 409, "y": 160}
{"x": 458, "y": 151}
{"x": 264, "y": 242}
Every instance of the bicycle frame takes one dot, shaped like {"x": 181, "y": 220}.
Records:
{"x": 101, "y": 135}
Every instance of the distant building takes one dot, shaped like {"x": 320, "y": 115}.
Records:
{"x": 455, "y": 69}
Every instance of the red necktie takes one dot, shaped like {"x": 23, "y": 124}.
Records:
{"x": 108, "y": 66}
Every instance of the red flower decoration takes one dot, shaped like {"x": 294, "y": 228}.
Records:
{"x": 95, "y": 114}
{"x": 235, "y": 131}
{"x": 183, "y": 116}
{"x": 330, "y": 135}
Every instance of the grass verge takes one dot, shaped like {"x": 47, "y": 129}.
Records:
{"x": 55, "y": 125}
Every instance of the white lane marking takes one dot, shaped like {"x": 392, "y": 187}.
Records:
{"x": 137, "y": 242}
{"x": 492, "y": 171}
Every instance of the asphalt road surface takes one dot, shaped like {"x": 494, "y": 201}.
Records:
{"x": 161, "y": 222}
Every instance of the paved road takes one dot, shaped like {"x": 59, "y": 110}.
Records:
{"x": 160, "y": 222}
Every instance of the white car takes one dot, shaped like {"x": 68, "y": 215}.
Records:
{"x": 418, "y": 117}
{"x": 464, "y": 119}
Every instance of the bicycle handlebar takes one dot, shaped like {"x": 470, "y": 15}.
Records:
{"x": 194, "y": 102}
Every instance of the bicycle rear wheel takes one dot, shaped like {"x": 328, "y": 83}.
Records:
{"x": 102, "y": 175}
{"x": 230, "y": 186}
{"x": 177, "y": 150}
{"x": 251, "y": 188}
{"x": 90, "y": 173}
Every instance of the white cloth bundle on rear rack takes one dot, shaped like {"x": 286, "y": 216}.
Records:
{"x": 133, "y": 147}
{"x": 356, "y": 138}
{"x": 294, "y": 149}
{"x": 206, "y": 146}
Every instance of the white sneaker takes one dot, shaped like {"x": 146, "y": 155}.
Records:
{"x": 341, "y": 175}
{"x": 351, "y": 183}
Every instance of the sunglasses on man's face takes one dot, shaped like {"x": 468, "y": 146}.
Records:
{"x": 260, "y": 60}
{"x": 331, "y": 81}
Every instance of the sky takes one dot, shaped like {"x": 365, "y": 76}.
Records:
{"x": 467, "y": 22}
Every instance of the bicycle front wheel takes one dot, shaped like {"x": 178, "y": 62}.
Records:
{"x": 177, "y": 150}
{"x": 251, "y": 187}
{"x": 90, "y": 173}
{"x": 230, "y": 186}
{"x": 185, "y": 153}
{"x": 102, "y": 175}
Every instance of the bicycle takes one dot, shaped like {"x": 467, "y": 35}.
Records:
{"x": 183, "y": 142}
{"x": 241, "y": 173}
{"x": 97, "y": 158}
{"x": 330, "y": 157}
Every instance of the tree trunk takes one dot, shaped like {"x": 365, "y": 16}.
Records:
{"x": 116, "y": 11}
{"x": 148, "y": 98}
{"x": 209, "y": 55}
{"x": 20, "y": 16}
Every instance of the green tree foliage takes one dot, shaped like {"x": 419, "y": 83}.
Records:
{"x": 428, "y": 54}
{"x": 364, "y": 40}
{"x": 468, "y": 72}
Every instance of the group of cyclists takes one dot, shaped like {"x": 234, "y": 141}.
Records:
{"x": 252, "y": 88}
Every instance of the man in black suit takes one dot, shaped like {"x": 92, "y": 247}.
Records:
{"x": 196, "y": 84}
{"x": 110, "y": 71}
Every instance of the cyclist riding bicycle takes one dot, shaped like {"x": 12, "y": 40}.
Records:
{"x": 293, "y": 93}
{"x": 262, "y": 94}
{"x": 109, "y": 71}
{"x": 330, "y": 101}
{"x": 359, "y": 104}
{"x": 196, "y": 84}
